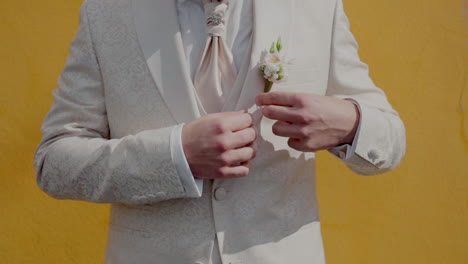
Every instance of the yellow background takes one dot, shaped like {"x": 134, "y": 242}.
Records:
{"x": 417, "y": 52}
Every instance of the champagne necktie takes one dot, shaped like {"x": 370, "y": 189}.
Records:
{"x": 216, "y": 72}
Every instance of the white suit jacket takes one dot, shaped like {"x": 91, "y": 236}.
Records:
{"x": 125, "y": 86}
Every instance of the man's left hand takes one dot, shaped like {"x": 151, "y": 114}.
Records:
{"x": 311, "y": 122}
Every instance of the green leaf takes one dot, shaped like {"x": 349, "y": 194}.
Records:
{"x": 273, "y": 48}
{"x": 279, "y": 44}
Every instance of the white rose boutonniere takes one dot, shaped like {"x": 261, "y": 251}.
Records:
{"x": 273, "y": 66}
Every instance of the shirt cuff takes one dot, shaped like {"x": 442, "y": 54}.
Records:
{"x": 345, "y": 151}
{"x": 193, "y": 187}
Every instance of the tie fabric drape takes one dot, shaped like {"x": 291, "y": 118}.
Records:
{"x": 216, "y": 73}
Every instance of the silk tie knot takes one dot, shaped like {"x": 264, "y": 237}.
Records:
{"x": 215, "y": 18}
{"x": 216, "y": 72}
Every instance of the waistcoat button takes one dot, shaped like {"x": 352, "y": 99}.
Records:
{"x": 220, "y": 194}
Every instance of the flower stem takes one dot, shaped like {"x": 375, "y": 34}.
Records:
{"x": 268, "y": 86}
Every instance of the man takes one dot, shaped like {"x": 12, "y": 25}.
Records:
{"x": 159, "y": 118}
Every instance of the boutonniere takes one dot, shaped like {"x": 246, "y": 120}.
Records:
{"x": 273, "y": 66}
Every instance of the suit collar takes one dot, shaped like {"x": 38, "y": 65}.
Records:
{"x": 160, "y": 39}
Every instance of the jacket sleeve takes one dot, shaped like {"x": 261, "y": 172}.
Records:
{"x": 381, "y": 140}
{"x": 77, "y": 160}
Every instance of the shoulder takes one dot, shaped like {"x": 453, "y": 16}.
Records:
{"x": 109, "y": 22}
{"x": 104, "y": 14}
{"x": 315, "y": 11}
{"x": 106, "y": 3}
{"x": 105, "y": 8}
{"x": 316, "y": 4}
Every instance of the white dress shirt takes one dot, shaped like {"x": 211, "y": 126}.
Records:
{"x": 239, "y": 29}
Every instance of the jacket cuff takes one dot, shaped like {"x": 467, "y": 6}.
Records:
{"x": 193, "y": 187}
{"x": 344, "y": 152}
{"x": 375, "y": 147}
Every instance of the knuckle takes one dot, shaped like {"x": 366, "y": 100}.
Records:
{"x": 221, "y": 145}
{"x": 222, "y": 172}
{"x": 224, "y": 159}
{"x": 215, "y": 174}
{"x": 220, "y": 127}
{"x": 306, "y": 117}
{"x": 303, "y": 118}
{"x": 300, "y": 100}
{"x": 304, "y": 131}
{"x": 267, "y": 111}
{"x": 252, "y": 134}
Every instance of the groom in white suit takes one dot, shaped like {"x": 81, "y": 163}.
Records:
{"x": 192, "y": 175}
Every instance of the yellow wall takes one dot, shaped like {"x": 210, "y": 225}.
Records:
{"x": 416, "y": 50}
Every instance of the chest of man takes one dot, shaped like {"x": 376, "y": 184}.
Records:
{"x": 147, "y": 85}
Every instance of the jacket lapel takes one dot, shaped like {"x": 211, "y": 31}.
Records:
{"x": 160, "y": 39}
{"x": 272, "y": 19}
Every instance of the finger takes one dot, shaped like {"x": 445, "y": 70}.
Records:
{"x": 297, "y": 144}
{"x": 247, "y": 164}
{"x": 235, "y": 157}
{"x": 282, "y": 113}
{"x": 277, "y": 98}
{"x": 234, "y": 172}
{"x": 283, "y": 129}
{"x": 305, "y": 145}
{"x": 240, "y": 138}
{"x": 254, "y": 146}
{"x": 238, "y": 121}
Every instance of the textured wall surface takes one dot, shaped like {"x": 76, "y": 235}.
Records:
{"x": 417, "y": 52}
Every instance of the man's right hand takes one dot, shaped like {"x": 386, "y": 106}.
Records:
{"x": 220, "y": 145}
